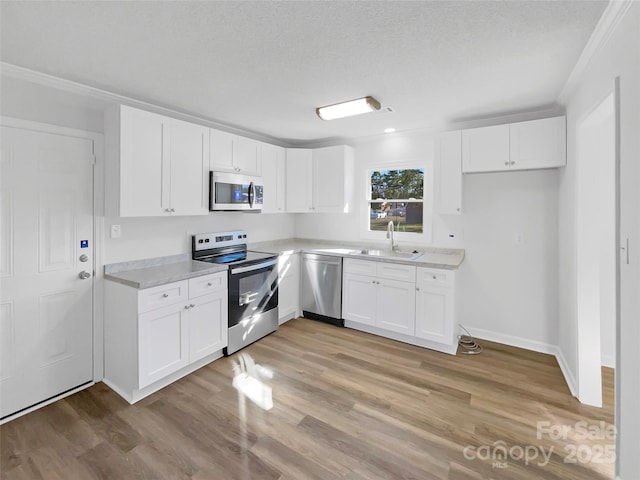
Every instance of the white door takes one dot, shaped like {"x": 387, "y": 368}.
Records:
{"x": 299, "y": 180}
{"x": 273, "y": 178}
{"x": 328, "y": 179}
{"x": 538, "y": 143}
{"x": 46, "y": 320}
{"x": 434, "y": 314}
{"x": 221, "y": 151}
{"x": 247, "y": 157}
{"x": 485, "y": 149}
{"x": 208, "y": 325}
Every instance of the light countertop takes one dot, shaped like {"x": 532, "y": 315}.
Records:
{"x": 152, "y": 272}
{"x": 433, "y": 257}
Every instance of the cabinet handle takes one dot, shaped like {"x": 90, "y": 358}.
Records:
{"x": 209, "y": 284}
{"x": 373, "y": 281}
{"x": 506, "y": 163}
{"x": 434, "y": 277}
{"x": 167, "y": 210}
{"x": 417, "y": 289}
{"x": 513, "y": 163}
{"x": 165, "y": 295}
{"x": 186, "y": 307}
{"x": 191, "y": 306}
{"x": 173, "y": 210}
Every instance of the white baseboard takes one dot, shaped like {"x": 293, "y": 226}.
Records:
{"x": 512, "y": 340}
{"x": 532, "y": 345}
{"x": 568, "y": 376}
{"x": 609, "y": 361}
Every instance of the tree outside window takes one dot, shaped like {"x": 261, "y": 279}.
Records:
{"x": 397, "y": 196}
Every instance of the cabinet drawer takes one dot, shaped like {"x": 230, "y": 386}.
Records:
{"x": 435, "y": 276}
{"x": 162, "y": 296}
{"x": 396, "y": 271}
{"x": 360, "y": 267}
{"x": 207, "y": 284}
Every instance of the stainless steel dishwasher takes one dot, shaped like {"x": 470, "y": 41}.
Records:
{"x": 322, "y": 288}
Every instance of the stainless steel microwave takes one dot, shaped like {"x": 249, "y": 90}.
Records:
{"x": 233, "y": 191}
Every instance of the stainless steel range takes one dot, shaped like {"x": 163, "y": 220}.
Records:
{"x": 253, "y": 285}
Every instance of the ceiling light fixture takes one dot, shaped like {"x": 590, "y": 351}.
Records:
{"x": 347, "y": 109}
{"x": 389, "y": 130}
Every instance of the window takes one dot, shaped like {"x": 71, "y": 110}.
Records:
{"x": 398, "y": 196}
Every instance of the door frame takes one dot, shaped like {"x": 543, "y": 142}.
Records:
{"x": 98, "y": 239}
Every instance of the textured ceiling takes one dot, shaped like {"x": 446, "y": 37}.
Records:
{"x": 265, "y": 66}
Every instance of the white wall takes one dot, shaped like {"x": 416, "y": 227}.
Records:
{"x": 506, "y": 292}
{"x": 620, "y": 57}
{"x": 30, "y": 101}
{"x": 155, "y": 237}
{"x": 141, "y": 237}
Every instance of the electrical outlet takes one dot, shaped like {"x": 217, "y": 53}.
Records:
{"x": 116, "y": 231}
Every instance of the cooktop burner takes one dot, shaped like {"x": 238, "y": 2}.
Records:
{"x": 225, "y": 248}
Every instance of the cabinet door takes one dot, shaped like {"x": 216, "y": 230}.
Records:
{"x": 538, "y": 144}
{"x": 222, "y": 147}
{"x": 163, "y": 343}
{"x": 359, "y": 298}
{"x": 273, "y": 178}
{"x": 207, "y": 320}
{"x": 299, "y": 180}
{"x": 329, "y": 166}
{"x": 396, "y": 306}
{"x": 246, "y": 159}
{"x": 288, "y": 285}
{"x": 189, "y": 169}
{"x": 485, "y": 149}
{"x": 434, "y": 314}
{"x": 450, "y": 173}
{"x": 144, "y": 163}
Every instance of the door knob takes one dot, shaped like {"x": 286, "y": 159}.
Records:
{"x": 84, "y": 275}
{"x": 83, "y": 258}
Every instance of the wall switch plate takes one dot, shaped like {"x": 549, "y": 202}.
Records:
{"x": 116, "y": 231}
{"x": 518, "y": 239}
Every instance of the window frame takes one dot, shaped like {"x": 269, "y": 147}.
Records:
{"x": 410, "y": 238}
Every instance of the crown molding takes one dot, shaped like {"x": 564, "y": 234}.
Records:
{"x": 606, "y": 26}
{"x": 21, "y": 73}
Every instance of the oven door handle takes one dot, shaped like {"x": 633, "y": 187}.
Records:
{"x": 252, "y": 194}
{"x": 251, "y": 268}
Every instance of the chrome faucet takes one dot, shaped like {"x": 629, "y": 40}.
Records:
{"x": 390, "y": 236}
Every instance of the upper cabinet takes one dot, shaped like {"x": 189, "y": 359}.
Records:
{"x": 233, "y": 153}
{"x": 449, "y": 154}
{"x": 538, "y": 144}
{"x": 320, "y": 180}
{"x": 155, "y": 164}
{"x": 333, "y": 179}
{"x": 274, "y": 179}
{"x": 299, "y": 179}
{"x": 516, "y": 146}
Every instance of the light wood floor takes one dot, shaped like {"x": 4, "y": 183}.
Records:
{"x": 347, "y": 405}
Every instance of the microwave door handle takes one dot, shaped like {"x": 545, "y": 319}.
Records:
{"x": 252, "y": 194}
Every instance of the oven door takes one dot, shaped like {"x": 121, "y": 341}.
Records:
{"x": 253, "y": 289}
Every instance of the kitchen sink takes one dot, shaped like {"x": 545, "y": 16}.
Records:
{"x": 388, "y": 253}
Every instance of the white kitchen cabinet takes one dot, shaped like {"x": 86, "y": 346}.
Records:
{"x": 396, "y": 306}
{"x": 435, "y": 316}
{"x": 359, "y": 293}
{"x": 320, "y": 180}
{"x": 155, "y": 336}
{"x": 156, "y": 166}
{"x": 385, "y": 300}
{"x": 538, "y": 144}
{"x": 333, "y": 179}
{"x": 288, "y": 287}
{"x": 299, "y": 174}
{"x": 449, "y": 164}
{"x": 163, "y": 343}
{"x": 189, "y": 184}
{"x": 274, "y": 178}
{"x": 233, "y": 153}
{"x": 517, "y": 146}
{"x": 485, "y": 149}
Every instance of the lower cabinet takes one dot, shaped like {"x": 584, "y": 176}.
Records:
{"x": 410, "y": 304}
{"x": 435, "y": 318}
{"x": 288, "y": 286}
{"x": 157, "y": 335}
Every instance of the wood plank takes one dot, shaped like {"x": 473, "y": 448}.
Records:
{"x": 347, "y": 405}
